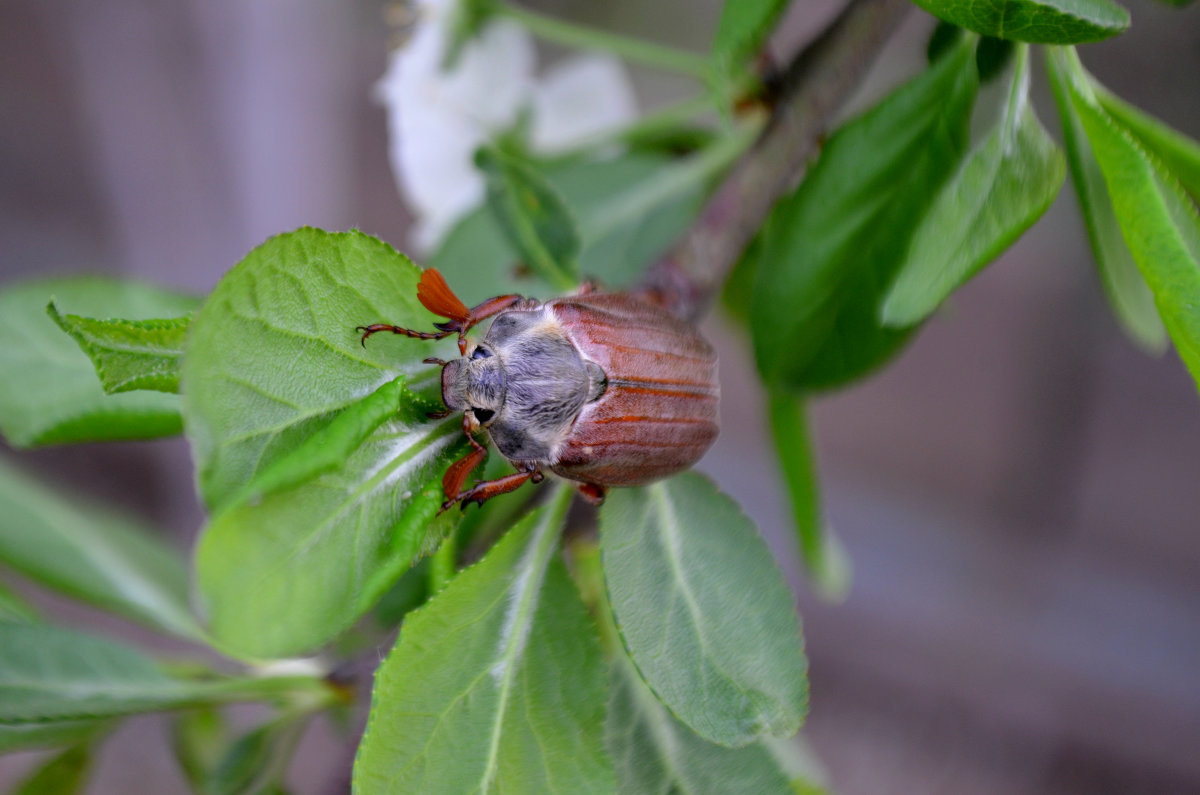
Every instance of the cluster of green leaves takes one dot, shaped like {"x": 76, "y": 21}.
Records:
{"x": 324, "y": 489}
{"x": 322, "y": 473}
{"x": 64, "y": 688}
{"x": 667, "y": 655}
{"x": 899, "y": 211}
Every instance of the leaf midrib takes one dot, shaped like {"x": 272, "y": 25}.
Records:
{"x": 356, "y": 495}
{"x": 541, "y": 547}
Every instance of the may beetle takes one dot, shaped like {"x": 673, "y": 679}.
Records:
{"x": 605, "y": 389}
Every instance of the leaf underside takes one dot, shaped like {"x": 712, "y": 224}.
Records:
{"x": 511, "y": 694}
{"x": 1158, "y": 221}
{"x": 1126, "y": 290}
{"x": 1034, "y": 21}
{"x": 703, "y": 610}
{"x": 655, "y": 753}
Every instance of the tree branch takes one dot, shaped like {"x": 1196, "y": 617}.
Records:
{"x": 815, "y": 85}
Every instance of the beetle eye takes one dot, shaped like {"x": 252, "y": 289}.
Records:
{"x": 480, "y": 353}
{"x": 483, "y": 415}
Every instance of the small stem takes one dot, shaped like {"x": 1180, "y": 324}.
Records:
{"x": 444, "y": 564}
{"x": 634, "y": 50}
{"x": 663, "y": 120}
{"x": 673, "y": 182}
{"x": 307, "y": 691}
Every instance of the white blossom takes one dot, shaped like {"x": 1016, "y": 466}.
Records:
{"x": 437, "y": 119}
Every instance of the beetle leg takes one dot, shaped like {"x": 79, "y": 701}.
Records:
{"x": 591, "y": 492}
{"x": 484, "y": 490}
{"x": 456, "y": 475}
{"x": 452, "y": 482}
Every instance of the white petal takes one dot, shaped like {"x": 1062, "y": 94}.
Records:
{"x": 433, "y": 158}
{"x": 493, "y": 77}
{"x": 437, "y": 119}
{"x": 580, "y": 97}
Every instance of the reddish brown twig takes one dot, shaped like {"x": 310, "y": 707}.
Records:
{"x": 816, "y": 83}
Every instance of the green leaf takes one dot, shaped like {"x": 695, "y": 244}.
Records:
{"x": 533, "y": 216}
{"x": 51, "y": 734}
{"x": 744, "y": 26}
{"x": 63, "y": 774}
{"x": 241, "y": 768}
{"x": 1034, "y": 21}
{"x": 999, "y": 191}
{"x": 256, "y": 763}
{"x": 510, "y": 696}
{"x": 49, "y": 393}
{"x": 837, "y": 241}
{"x": 328, "y": 449}
{"x": 198, "y": 739}
{"x": 944, "y": 36}
{"x": 991, "y": 56}
{"x": 1158, "y": 221}
{"x": 286, "y": 573}
{"x": 273, "y": 355}
{"x": 1127, "y": 291}
{"x": 737, "y": 296}
{"x": 478, "y": 259}
{"x": 53, "y": 674}
{"x": 93, "y": 555}
{"x": 1178, "y": 153}
{"x": 826, "y": 563}
{"x": 129, "y": 354}
{"x": 14, "y": 609}
{"x": 410, "y": 592}
{"x": 656, "y": 753}
{"x": 682, "y": 563}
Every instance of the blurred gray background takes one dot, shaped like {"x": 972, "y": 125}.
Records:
{"x": 1019, "y": 492}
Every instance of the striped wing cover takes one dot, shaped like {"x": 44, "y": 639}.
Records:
{"x": 658, "y": 414}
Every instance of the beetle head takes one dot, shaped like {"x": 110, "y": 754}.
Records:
{"x": 474, "y": 384}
